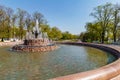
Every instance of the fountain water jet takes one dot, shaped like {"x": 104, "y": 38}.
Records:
{"x": 35, "y": 41}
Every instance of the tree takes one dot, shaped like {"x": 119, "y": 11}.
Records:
{"x": 66, "y": 35}
{"x": 45, "y": 28}
{"x": 116, "y": 20}
{"x": 55, "y": 34}
{"x": 103, "y": 14}
{"x": 3, "y": 23}
{"x": 94, "y": 30}
{"x": 14, "y": 18}
{"x": 28, "y": 21}
{"x": 13, "y": 25}
{"x": 21, "y": 17}
{"x": 40, "y": 17}
{"x": 9, "y": 14}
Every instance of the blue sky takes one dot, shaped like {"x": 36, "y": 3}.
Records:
{"x": 67, "y": 15}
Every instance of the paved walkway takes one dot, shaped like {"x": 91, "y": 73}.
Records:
{"x": 10, "y": 43}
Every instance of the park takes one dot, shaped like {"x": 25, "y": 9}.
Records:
{"x": 32, "y": 48}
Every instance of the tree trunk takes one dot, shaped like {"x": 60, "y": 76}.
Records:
{"x": 114, "y": 36}
{"x": 2, "y": 39}
{"x": 102, "y": 36}
{"x": 115, "y": 25}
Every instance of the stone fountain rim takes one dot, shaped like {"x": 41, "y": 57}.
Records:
{"x": 103, "y": 73}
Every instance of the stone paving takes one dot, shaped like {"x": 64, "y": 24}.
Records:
{"x": 10, "y": 43}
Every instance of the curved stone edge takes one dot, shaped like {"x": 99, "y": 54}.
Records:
{"x": 103, "y": 73}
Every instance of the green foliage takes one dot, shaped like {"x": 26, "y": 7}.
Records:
{"x": 105, "y": 28}
{"x": 55, "y": 33}
{"x": 15, "y": 25}
{"x": 103, "y": 15}
{"x": 66, "y": 36}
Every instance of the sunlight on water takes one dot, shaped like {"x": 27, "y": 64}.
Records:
{"x": 41, "y": 66}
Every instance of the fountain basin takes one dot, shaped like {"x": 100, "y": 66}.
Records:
{"x": 108, "y": 72}
{"x": 66, "y": 60}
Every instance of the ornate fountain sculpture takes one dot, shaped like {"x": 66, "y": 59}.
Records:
{"x": 35, "y": 33}
{"x": 36, "y": 41}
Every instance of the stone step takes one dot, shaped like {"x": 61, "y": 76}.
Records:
{"x": 116, "y": 78}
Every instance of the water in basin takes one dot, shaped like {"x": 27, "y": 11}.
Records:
{"x": 66, "y": 60}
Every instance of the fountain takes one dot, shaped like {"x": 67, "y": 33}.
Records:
{"x": 35, "y": 41}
